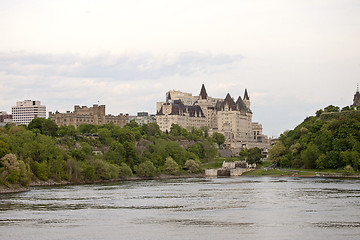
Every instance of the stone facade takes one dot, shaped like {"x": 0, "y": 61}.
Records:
{"x": 226, "y": 116}
{"x": 89, "y": 115}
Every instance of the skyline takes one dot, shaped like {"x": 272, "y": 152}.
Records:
{"x": 293, "y": 57}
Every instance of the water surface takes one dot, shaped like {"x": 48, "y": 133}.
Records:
{"x": 210, "y": 208}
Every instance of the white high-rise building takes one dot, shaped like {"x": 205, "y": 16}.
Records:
{"x": 27, "y": 110}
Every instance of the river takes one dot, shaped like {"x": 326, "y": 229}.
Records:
{"x": 193, "y": 208}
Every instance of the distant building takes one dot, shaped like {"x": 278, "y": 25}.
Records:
{"x": 89, "y": 115}
{"x": 226, "y": 116}
{"x": 356, "y": 100}
{"x": 5, "y": 118}
{"x": 143, "y": 118}
{"x": 27, "y": 110}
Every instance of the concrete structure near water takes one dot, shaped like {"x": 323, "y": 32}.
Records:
{"x": 230, "y": 169}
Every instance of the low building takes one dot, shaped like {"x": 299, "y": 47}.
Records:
{"x": 27, "y": 110}
{"x": 89, "y": 115}
{"x": 143, "y": 118}
{"x": 5, "y": 118}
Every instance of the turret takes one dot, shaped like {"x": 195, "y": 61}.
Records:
{"x": 203, "y": 94}
{"x": 247, "y": 99}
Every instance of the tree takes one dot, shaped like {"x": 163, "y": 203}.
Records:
{"x": 86, "y": 128}
{"x": 171, "y": 167}
{"x": 4, "y": 148}
{"x": 331, "y": 108}
{"x": 309, "y": 156}
{"x": 198, "y": 149}
{"x": 254, "y": 155}
{"x": 105, "y": 136}
{"x": 276, "y": 152}
{"x": 219, "y": 138}
{"x": 123, "y": 134}
{"x": 152, "y": 129}
{"x": 10, "y": 171}
{"x": 192, "y": 166}
{"x": 348, "y": 170}
{"x": 125, "y": 170}
{"x": 146, "y": 169}
{"x": 44, "y": 126}
{"x": 116, "y": 153}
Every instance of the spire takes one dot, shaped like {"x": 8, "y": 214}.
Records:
{"x": 203, "y": 94}
{"x": 168, "y": 96}
{"x": 246, "y": 96}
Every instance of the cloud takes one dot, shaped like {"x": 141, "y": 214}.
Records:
{"x": 114, "y": 67}
{"x": 125, "y": 83}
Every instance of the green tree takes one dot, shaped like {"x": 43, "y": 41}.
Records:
{"x": 41, "y": 170}
{"x": 123, "y": 135}
{"x": 331, "y": 108}
{"x": 44, "y": 126}
{"x": 105, "y": 136}
{"x": 219, "y": 138}
{"x": 152, "y": 129}
{"x": 348, "y": 170}
{"x": 10, "y": 170}
{"x": 309, "y": 156}
{"x": 210, "y": 151}
{"x": 85, "y": 128}
{"x": 146, "y": 169}
{"x": 171, "y": 167}
{"x": 198, "y": 149}
{"x": 4, "y": 148}
{"x": 192, "y": 166}
{"x": 125, "y": 170}
{"x": 116, "y": 153}
{"x": 254, "y": 155}
{"x": 276, "y": 152}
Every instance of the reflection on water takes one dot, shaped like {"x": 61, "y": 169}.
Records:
{"x": 211, "y": 208}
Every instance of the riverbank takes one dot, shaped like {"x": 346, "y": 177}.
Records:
{"x": 16, "y": 188}
{"x": 299, "y": 173}
{"x": 254, "y": 173}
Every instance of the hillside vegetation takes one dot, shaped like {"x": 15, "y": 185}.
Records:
{"x": 42, "y": 151}
{"x": 329, "y": 140}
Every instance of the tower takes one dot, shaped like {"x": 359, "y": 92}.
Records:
{"x": 247, "y": 99}
{"x": 356, "y": 101}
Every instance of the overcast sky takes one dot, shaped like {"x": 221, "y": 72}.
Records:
{"x": 294, "y": 57}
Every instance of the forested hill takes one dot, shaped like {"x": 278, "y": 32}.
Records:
{"x": 329, "y": 140}
{"x": 42, "y": 151}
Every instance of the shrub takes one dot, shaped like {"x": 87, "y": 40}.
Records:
{"x": 171, "y": 167}
{"x": 125, "y": 170}
{"x": 146, "y": 169}
{"x": 192, "y": 166}
{"x": 348, "y": 170}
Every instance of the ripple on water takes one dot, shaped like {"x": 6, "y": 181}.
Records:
{"x": 338, "y": 224}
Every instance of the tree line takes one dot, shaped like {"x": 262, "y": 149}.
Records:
{"x": 43, "y": 151}
{"x": 328, "y": 140}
